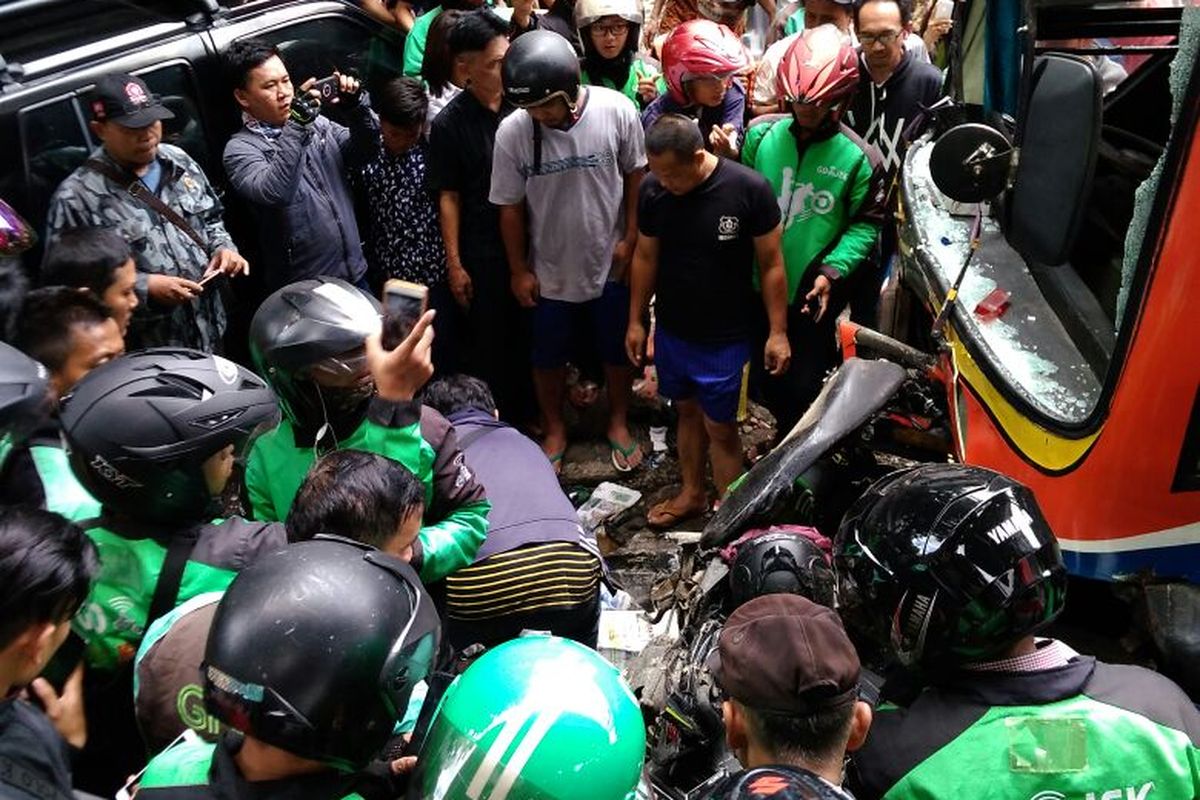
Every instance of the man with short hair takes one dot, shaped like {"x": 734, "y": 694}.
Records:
{"x": 703, "y": 222}
{"x": 97, "y": 259}
{"x": 492, "y": 338}
{"x": 888, "y": 111}
{"x": 565, "y": 174}
{"x": 792, "y": 711}
{"x": 159, "y": 200}
{"x": 290, "y": 163}
{"x": 71, "y": 333}
{"x": 46, "y": 569}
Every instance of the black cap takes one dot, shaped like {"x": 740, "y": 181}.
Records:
{"x": 127, "y": 101}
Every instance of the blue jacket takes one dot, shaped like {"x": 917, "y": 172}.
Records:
{"x": 528, "y": 504}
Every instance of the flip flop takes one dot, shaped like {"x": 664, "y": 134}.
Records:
{"x": 668, "y": 518}
{"x": 556, "y": 461}
{"x": 626, "y": 453}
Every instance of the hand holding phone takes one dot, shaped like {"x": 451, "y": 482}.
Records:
{"x": 327, "y": 88}
{"x": 403, "y": 304}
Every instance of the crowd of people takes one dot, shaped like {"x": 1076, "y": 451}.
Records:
{"x": 316, "y": 575}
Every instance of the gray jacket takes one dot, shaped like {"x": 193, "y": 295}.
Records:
{"x": 296, "y": 182}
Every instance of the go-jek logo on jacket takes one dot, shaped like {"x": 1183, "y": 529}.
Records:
{"x": 798, "y": 202}
{"x": 1124, "y": 793}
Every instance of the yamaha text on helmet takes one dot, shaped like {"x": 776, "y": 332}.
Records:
{"x": 538, "y": 67}
{"x": 140, "y": 428}
{"x": 315, "y": 649}
{"x": 307, "y": 339}
{"x": 945, "y": 564}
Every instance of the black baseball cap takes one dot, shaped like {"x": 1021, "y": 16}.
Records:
{"x": 785, "y": 653}
{"x": 126, "y": 100}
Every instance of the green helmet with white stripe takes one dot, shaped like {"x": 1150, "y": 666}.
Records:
{"x": 537, "y": 718}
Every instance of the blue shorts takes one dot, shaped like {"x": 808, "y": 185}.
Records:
{"x": 605, "y": 318}
{"x": 713, "y": 374}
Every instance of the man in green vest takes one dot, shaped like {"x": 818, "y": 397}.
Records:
{"x": 829, "y": 186}
{"x": 307, "y": 339}
{"x": 311, "y": 684}
{"x": 951, "y": 571}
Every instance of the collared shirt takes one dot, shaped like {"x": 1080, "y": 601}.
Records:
{"x": 88, "y": 199}
{"x": 1048, "y": 654}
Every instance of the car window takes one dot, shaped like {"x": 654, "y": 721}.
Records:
{"x": 55, "y": 141}
{"x": 174, "y": 84}
{"x": 316, "y": 47}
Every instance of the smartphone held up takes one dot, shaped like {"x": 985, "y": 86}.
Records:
{"x": 403, "y": 304}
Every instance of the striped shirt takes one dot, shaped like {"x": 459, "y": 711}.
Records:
{"x": 529, "y": 578}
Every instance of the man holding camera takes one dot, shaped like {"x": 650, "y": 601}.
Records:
{"x": 289, "y": 162}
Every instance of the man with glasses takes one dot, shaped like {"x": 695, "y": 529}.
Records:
{"x": 830, "y": 189}
{"x": 895, "y": 88}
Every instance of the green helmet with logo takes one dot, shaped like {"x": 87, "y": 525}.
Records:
{"x": 537, "y": 718}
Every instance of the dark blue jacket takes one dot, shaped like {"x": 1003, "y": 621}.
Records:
{"x": 528, "y": 504}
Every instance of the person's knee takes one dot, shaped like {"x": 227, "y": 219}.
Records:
{"x": 721, "y": 432}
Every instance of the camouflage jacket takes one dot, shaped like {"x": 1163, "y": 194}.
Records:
{"x": 89, "y": 199}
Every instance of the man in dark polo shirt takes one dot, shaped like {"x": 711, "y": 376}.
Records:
{"x": 459, "y": 172}
{"x": 702, "y": 222}
{"x": 790, "y": 678}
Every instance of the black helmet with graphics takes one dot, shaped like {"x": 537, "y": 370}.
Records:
{"x": 140, "y": 428}
{"x": 945, "y": 564}
{"x": 540, "y": 66}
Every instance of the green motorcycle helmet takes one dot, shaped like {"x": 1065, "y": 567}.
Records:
{"x": 537, "y": 718}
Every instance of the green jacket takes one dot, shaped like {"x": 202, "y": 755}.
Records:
{"x": 421, "y": 439}
{"x": 830, "y": 191}
{"x": 414, "y": 43}
{"x": 65, "y": 495}
{"x": 1082, "y": 731}
{"x": 638, "y": 70}
{"x": 197, "y": 770}
{"x": 115, "y": 615}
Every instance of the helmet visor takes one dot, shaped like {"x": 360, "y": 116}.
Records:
{"x": 414, "y": 651}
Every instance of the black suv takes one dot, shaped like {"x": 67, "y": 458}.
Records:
{"x": 52, "y": 51}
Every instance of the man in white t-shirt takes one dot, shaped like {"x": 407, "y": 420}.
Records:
{"x": 565, "y": 172}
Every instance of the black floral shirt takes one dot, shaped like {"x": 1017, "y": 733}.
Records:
{"x": 403, "y": 240}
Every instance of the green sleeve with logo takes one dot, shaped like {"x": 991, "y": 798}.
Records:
{"x": 113, "y": 619}
{"x": 276, "y": 467}
{"x": 822, "y": 196}
{"x": 65, "y": 495}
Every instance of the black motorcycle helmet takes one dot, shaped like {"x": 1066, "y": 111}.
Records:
{"x": 316, "y": 648}
{"x": 307, "y": 326}
{"x": 945, "y": 564}
{"x": 539, "y": 66}
{"x": 781, "y": 559}
{"x": 139, "y": 429}
{"x": 24, "y": 398}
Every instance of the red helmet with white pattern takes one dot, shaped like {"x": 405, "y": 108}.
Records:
{"x": 819, "y": 67}
{"x": 700, "y": 48}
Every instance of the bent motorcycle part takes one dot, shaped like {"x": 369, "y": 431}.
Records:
{"x": 855, "y": 392}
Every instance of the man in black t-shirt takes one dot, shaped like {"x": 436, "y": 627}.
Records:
{"x": 494, "y": 341}
{"x": 702, "y": 223}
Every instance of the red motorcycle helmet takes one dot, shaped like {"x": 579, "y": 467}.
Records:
{"x": 820, "y": 67}
{"x": 700, "y": 48}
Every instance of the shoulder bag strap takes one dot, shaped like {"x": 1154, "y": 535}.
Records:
{"x": 139, "y": 192}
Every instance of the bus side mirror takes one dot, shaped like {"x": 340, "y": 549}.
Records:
{"x": 1057, "y": 156}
